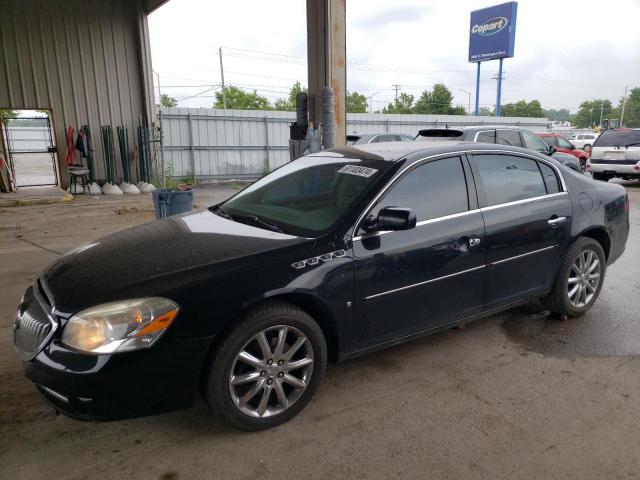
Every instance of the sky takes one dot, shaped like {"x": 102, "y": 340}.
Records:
{"x": 565, "y": 51}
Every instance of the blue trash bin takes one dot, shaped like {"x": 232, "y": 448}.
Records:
{"x": 171, "y": 202}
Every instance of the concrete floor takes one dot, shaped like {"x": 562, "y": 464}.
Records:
{"x": 515, "y": 396}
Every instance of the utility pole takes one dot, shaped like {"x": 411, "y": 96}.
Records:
{"x": 624, "y": 101}
{"x": 468, "y": 93}
{"x": 499, "y": 77}
{"x": 224, "y": 93}
{"x": 601, "y": 109}
{"x": 396, "y": 87}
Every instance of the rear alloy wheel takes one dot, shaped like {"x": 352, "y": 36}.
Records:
{"x": 267, "y": 367}
{"x": 584, "y": 278}
{"x": 579, "y": 279}
{"x": 587, "y": 148}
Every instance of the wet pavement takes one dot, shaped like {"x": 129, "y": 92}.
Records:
{"x": 517, "y": 396}
{"x": 610, "y": 328}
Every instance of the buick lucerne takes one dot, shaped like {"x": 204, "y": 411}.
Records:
{"x": 333, "y": 255}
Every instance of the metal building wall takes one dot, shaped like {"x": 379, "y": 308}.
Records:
{"x": 85, "y": 60}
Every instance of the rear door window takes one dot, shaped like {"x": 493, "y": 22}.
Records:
{"x": 508, "y": 137}
{"x": 434, "y": 189}
{"x": 550, "y": 178}
{"x": 508, "y": 178}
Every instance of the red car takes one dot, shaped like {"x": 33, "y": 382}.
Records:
{"x": 565, "y": 146}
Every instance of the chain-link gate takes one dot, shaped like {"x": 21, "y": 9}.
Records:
{"x": 32, "y": 155}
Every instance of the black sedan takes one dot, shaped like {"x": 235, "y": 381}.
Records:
{"x": 334, "y": 255}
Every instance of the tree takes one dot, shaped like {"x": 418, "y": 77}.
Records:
{"x": 632, "y": 109}
{"x": 356, "y": 103}
{"x": 241, "y": 100}
{"x": 486, "y": 112}
{"x": 589, "y": 113}
{"x": 562, "y": 115}
{"x": 6, "y": 113}
{"x": 167, "y": 101}
{"x": 289, "y": 105}
{"x": 522, "y": 108}
{"x": 437, "y": 101}
{"x": 403, "y": 104}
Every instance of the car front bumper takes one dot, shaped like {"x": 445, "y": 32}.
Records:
{"x": 123, "y": 385}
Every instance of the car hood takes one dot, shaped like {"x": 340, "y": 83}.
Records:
{"x": 157, "y": 256}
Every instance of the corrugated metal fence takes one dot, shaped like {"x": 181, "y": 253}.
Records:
{"x": 215, "y": 144}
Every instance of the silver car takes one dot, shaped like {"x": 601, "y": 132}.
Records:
{"x": 616, "y": 153}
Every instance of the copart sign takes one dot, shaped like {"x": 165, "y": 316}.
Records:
{"x": 492, "y": 32}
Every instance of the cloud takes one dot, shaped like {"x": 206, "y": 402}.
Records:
{"x": 392, "y": 15}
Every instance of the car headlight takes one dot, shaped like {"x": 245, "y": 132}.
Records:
{"x": 119, "y": 326}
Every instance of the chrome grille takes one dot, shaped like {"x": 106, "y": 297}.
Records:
{"x": 33, "y": 324}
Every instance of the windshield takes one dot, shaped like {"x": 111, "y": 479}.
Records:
{"x": 548, "y": 140}
{"x": 620, "y": 138}
{"x": 307, "y": 196}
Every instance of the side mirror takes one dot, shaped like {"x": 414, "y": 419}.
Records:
{"x": 394, "y": 218}
{"x": 573, "y": 147}
{"x": 552, "y": 150}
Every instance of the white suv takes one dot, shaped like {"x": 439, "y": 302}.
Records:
{"x": 583, "y": 140}
{"x": 616, "y": 153}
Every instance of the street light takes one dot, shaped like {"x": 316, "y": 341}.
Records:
{"x": 468, "y": 93}
{"x": 370, "y": 97}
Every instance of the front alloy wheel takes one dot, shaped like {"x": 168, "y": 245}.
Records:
{"x": 271, "y": 371}
{"x": 267, "y": 367}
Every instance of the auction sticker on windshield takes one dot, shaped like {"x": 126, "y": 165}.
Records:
{"x": 356, "y": 170}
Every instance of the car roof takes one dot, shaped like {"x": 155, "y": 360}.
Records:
{"x": 394, "y": 151}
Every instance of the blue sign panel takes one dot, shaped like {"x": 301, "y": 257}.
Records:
{"x": 492, "y": 32}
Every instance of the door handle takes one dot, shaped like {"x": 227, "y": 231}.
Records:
{"x": 463, "y": 244}
{"x": 556, "y": 221}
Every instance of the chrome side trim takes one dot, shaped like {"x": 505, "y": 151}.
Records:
{"x": 565, "y": 190}
{"x": 419, "y": 224}
{"x": 424, "y": 283}
{"x": 526, "y": 200}
{"x": 504, "y": 260}
{"x": 446, "y": 217}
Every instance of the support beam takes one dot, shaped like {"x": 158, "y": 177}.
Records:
{"x": 327, "y": 59}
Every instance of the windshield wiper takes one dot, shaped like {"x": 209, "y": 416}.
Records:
{"x": 255, "y": 220}
{"x": 243, "y": 218}
{"x": 220, "y": 211}
{"x": 631, "y": 144}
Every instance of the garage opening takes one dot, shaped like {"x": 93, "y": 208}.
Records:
{"x": 30, "y": 148}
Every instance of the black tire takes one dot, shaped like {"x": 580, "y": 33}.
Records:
{"x": 583, "y": 165}
{"x": 217, "y": 387}
{"x": 557, "y": 301}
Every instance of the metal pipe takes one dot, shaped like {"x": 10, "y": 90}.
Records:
{"x": 478, "y": 90}
{"x": 329, "y": 125}
{"x": 302, "y": 109}
{"x": 499, "y": 89}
